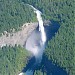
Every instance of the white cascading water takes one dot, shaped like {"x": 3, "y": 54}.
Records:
{"x": 35, "y": 50}
{"x": 41, "y": 27}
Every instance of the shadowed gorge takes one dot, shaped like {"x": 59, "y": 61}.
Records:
{"x": 48, "y": 66}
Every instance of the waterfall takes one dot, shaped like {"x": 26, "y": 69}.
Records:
{"x": 37, "y": 50}
{"x": 41, "y": 27}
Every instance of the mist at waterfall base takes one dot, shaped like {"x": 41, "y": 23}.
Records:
{"x": 34, "y": 44}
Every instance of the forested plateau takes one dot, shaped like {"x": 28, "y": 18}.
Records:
{"x": 60, "y": 49}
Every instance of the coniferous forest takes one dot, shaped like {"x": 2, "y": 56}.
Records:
{"x": 12, "y": 60}
{"x": 60, "y": 49}
{"x": 13, "y": 14}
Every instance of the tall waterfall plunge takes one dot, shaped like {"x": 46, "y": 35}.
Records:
{"x": 42, "y": 37}
{"x": 41, "y": 27}
{"x": 36, "y": 42}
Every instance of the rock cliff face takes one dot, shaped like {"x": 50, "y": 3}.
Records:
{"x": 19, "y": 37}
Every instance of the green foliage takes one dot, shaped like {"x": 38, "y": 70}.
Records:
{"x": 39, "y": 72}
{"x": 14, "y": 14}
{"x": 54, "y": 9}
{"x": 12, "y": 60}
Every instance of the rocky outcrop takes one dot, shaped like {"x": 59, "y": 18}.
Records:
{"x": 19, "y": 37}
